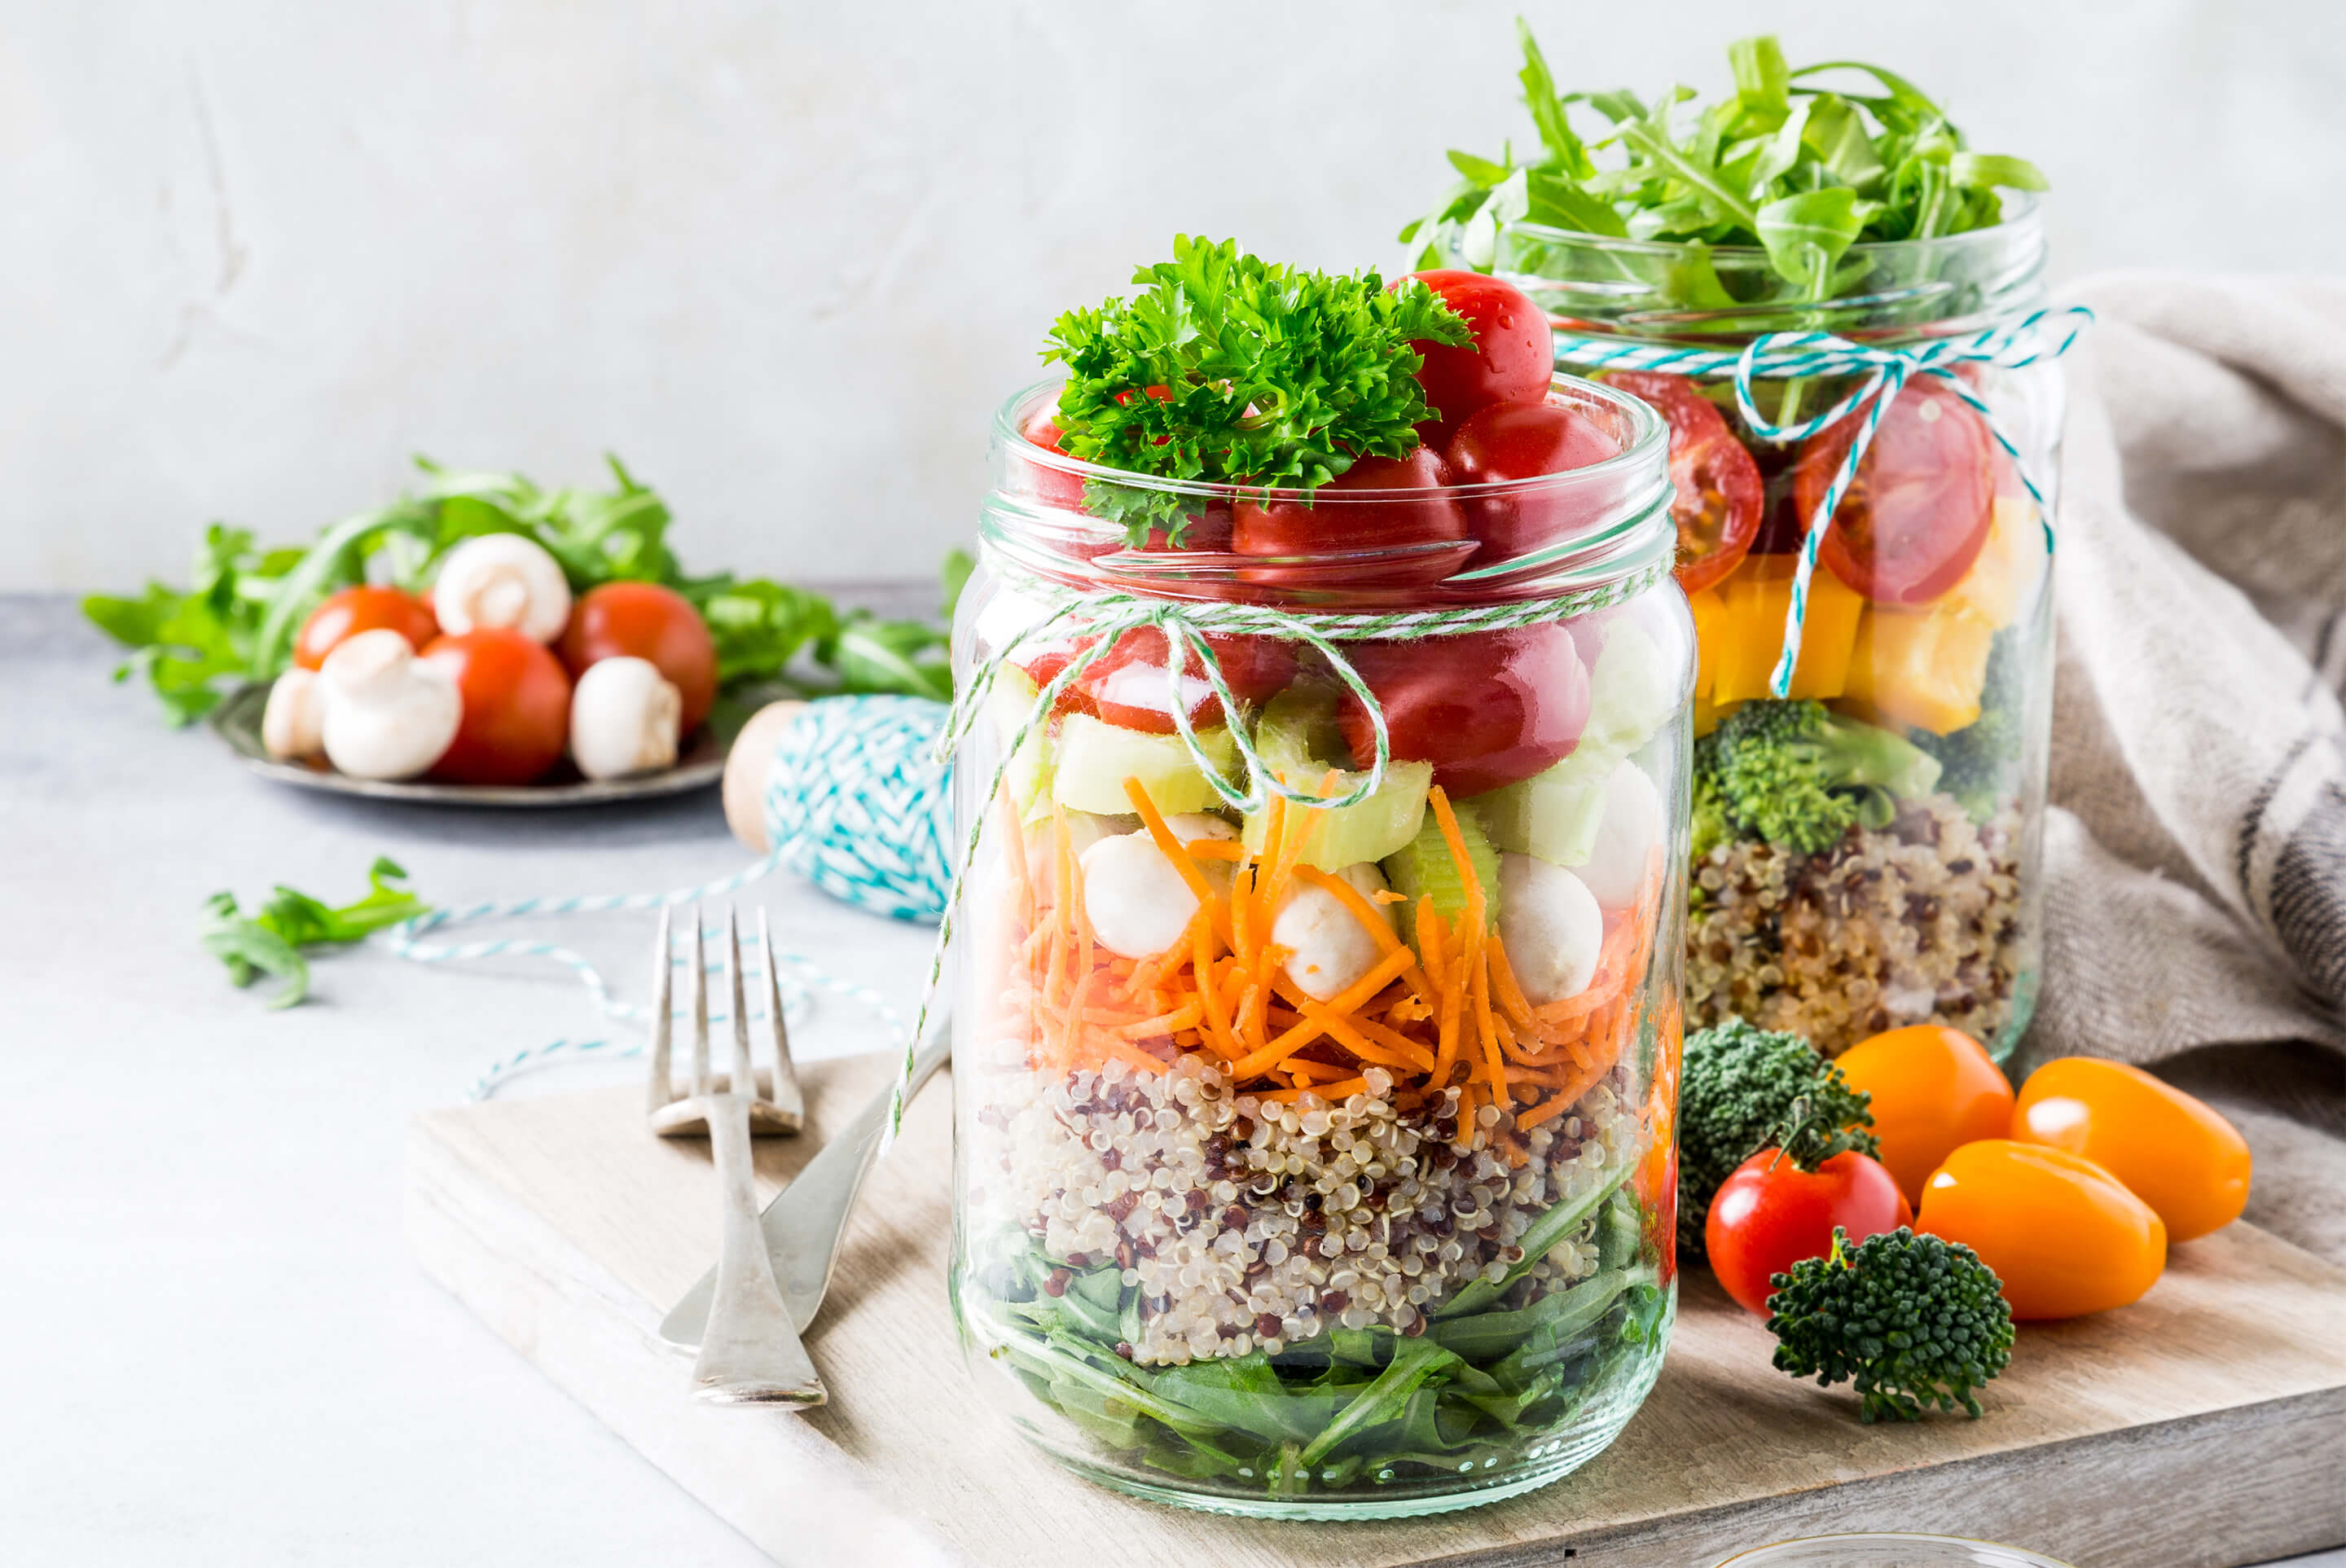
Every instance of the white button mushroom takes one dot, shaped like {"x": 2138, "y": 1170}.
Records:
{"x": 1552, "y": 928}
{"x": 1627, "y": 833}
{"x": 1327, "y": 947}
{"x": 1138, "y": 902}
{"x": 502, "y": 580}
{"x": 293, "y": 725}
{"x": 389, "y": 714}
{"x": 625, "y": 717}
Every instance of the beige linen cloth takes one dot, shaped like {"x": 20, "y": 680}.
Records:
{"x": 2196, "y": 850}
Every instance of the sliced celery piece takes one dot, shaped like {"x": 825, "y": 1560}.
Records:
{"x": 1296, "y": 737}
{"x": 1424, "y": 868}
{"x": 1092, "y": 760}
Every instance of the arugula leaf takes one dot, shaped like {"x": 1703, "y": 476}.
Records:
{"x": 270, "y": 942}
{"x": 1227, "y": 368}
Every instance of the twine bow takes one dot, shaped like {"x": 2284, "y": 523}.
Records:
{"x": 2008, "y": 345}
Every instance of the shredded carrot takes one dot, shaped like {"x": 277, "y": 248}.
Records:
{"x": 1173, "y": 851}
{"x": 1166, "y": 1024}
{"x": 1332, "y": 1093}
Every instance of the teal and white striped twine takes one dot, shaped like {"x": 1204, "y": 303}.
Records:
{"x": 1100, "y": 619}
{"x": 1777, "y": 356}
{"x": 854, "y": 800}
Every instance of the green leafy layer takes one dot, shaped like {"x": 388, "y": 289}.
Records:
{"x": 272, "y": 942}
{"x": 1224, "y": 368}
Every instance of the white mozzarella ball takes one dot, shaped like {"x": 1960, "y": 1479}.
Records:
{"x": 1627, "y": 834}
{"x": 1552, "y": 927}
{"x": 1138, "y": 902}
{"x": 1084, "y": 829}
{"x": 1328, "y": 948}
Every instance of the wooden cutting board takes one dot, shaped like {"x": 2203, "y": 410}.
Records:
{"x": 2203, "y": 1426}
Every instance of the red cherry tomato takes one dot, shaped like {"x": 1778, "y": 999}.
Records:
{"x": 1720, "y": 496}
{"x": 1486, "y": 708}
{"x": 516, "y": 708}
{"x": 351, "y": 611}
{"x": 1771, "y": 1214}
{"x": 1524, "y": 441}
{"x": 645, "y": 621}
{"x": 1511, "y": 360}
{"x": 1918, "y": 513}
{"x": 1052, "y": 486}
{"x": 1346, "y": 517}
{"x": 1127, "y": 685}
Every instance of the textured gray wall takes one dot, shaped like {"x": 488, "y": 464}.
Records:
{"x": 785, "y": 257}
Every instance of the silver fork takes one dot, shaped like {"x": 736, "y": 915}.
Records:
{"x": 751, "y": 1354}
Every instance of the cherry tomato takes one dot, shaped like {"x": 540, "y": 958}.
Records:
{"x": 1511, "y": 360}
{"x": 1053, "y": 487}
{"x": 1720, "y": 496}
{"x": 351, "y": 611}
{"x": 1769, "y": 1214}
{"x": 645, "y": 621}
{"x": 1347, "y": 516}
{"x": 2061, "y": 1232}
{"x": 1127, "y": 686}
{"x": 1524, "y": 441}
{"x": 1486, "y": 708}
{"x": 1934, "y": 1089}
{"x": 1917, "y": 514}
{"x": 2172, "y": 1151}
{"x": 516, "y": 708}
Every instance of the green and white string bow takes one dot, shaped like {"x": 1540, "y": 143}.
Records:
{"x": 1778, "y": 356}
{"x": 1095, "y": 622}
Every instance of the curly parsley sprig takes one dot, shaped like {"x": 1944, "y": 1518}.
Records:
{"x": 1227, "y": 369}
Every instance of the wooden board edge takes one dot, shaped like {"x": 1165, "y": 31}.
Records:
{"x": 762, "y": 1472}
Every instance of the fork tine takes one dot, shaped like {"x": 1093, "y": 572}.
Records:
{"x": 663, "y": 978}
{"x": 745, "y": 1074}
{"x": 700, "y": 1081}
{"x": 786, "y": 1095}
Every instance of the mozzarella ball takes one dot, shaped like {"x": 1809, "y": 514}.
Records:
{"x": 1552, "y": 927}
{"x": 1328, "y": 948}
{"x": 1084, "y": 829}
{"x": 1138, "y": 902}
{"x": 1627, "y": 834}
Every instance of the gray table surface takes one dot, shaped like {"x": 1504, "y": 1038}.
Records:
{"x": 218, "y": 1350}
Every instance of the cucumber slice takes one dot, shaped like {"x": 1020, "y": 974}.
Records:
{"x": 1552, "y": 816}
{"x": 1423, "y": 869}
{"x": 1296, "y": 735}
{"x": 1012, "y": 698}
{"x": 1093, "y": 759}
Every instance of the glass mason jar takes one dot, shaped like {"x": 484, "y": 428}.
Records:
{"x": 1314, "y": 1161}
{"x": 1905, "y": 889}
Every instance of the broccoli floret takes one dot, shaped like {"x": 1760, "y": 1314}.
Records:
{"x": 1976, "y": 760}
{"x": 1798, "y": 775}
{"x": 1740, "y": 1087}
{"x": 1711, "y": 827}
{"x": 1912, "y": 1322}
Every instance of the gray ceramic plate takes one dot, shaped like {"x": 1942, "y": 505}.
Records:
{"x": 238, "y": 721}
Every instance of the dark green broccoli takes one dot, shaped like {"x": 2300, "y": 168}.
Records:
{"x": 1800, "y": 776}
{"x": 1711, "y": 827}
{"x": 1914, "y": 1322}
{"x": 1977, "y": 760}
{"x": 1740, "y": 1087}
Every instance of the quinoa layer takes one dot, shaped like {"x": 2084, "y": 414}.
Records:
{"x": 1916, "y": 922}
{"x": 1251, "y": 1224}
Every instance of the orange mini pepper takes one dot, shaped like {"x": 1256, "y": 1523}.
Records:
{"x": 2172, "y": 1151}
{"x": 1934, "y": 1089}
{"x": 2061, "y": 1233}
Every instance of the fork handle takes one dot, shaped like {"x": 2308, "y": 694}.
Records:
{"x": 751, "y": 1353}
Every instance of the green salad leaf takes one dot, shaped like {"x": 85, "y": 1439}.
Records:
{"x": 273, "y": 940}
{"x": 1781, "y": 162}
{"x": 1227, "y": 369}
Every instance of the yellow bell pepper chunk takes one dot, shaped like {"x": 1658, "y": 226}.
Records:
{"x": 1707, "y": 715}
{"x": 1922, "y": 667}
{"x": 1709, "y": 629}
{"x": 2003, "y": 580}
{"x": 1758, "y": 598}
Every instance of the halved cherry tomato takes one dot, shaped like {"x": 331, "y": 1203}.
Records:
{"x": 1346, "y": 516}
{"x": 1127, "y": 686}
{"x": 1918, "y": 513}
{"x": 1769, "y": 1214}
{"x": 1720, "y": 496}
{"x": 516, "y": 708}
{"x": 2172, "y": 1151}
{"x": 1511, "y": 360}
{"x": 2062, "y": 1233}
{"x": 1934, "y": 1089}
{"x": 1053, "y": 487}
{"x": 350, "y": 611}
{"x": 647, "y": 622}
{"x": 1486, "y": 708}
{"x": 1524, "y": 441}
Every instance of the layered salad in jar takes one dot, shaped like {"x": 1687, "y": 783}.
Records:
{"x": 1864, "y": 850}
{"x": 1313, "y": 1110}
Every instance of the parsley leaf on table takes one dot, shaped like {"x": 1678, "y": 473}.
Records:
{"x": 1227, "y": 369}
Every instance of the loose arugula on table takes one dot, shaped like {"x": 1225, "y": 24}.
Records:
{"x": 1800, "y": 170}
{"x": 237, "y": 619}
{"x": 1227, "y": 369}
{"x": 272, "y": 942}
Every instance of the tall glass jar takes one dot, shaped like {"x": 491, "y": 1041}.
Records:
{"x": 1315, "y": 1161}
{"x": 1886, "y": 875}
